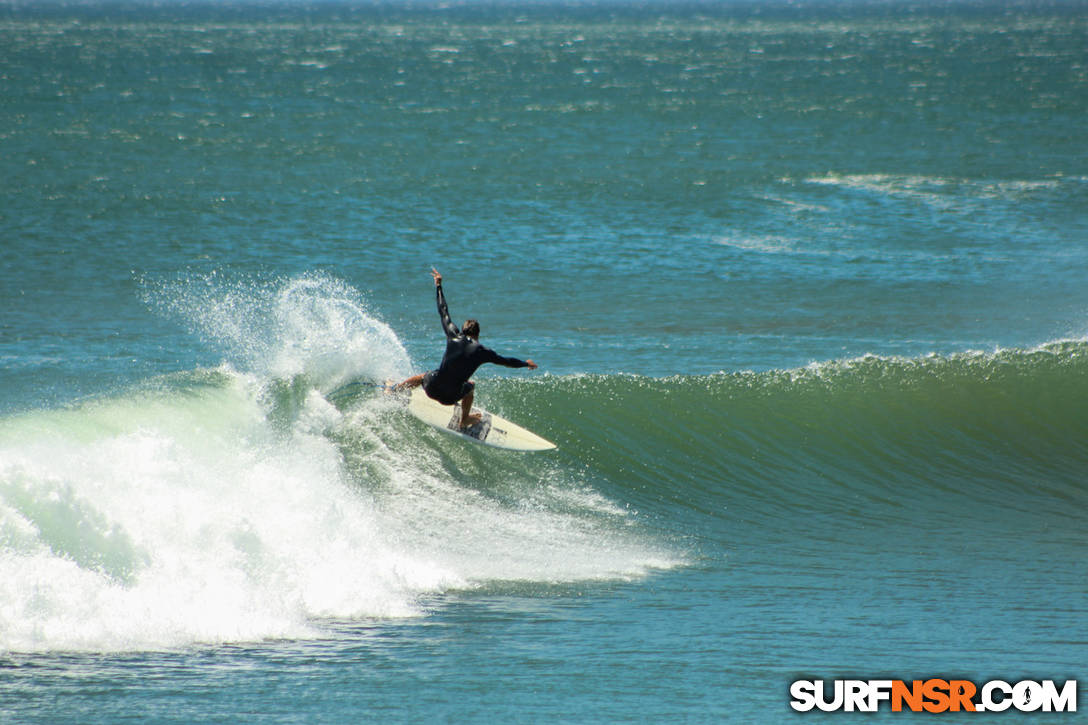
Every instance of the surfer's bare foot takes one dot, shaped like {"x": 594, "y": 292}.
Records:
{"x": 471, "y": 420}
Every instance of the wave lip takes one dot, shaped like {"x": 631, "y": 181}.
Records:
{"x": 311, "y": 324}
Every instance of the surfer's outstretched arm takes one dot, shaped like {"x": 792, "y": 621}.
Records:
{"x": 447, "y": 324}
{"x": 491, "y": 356}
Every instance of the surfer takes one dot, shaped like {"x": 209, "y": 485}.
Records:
{"x": 450, "y": 382}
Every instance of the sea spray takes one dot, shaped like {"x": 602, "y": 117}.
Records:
{"x": 311, "y": 324}
{"x": 239, "y": 504}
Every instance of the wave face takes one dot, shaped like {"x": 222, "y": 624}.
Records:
{"x": 981, "y": 448}
{"x": 1020, "y": 411}
{"x": 223, "y": 505}
{"x": 264, "y": 497}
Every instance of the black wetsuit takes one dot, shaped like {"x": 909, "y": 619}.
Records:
{"x": 449, "y": 383}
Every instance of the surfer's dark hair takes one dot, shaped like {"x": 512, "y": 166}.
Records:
{"x": 471, "y": 328}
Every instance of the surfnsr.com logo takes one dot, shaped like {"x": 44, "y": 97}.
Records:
{"x": 933, "y": 695}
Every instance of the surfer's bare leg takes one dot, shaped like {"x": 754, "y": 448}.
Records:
{"x": 467, "y": 416}
{"x": 413, "y": 382}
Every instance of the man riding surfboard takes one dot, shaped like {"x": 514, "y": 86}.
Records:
{"x": 450, "y": 383}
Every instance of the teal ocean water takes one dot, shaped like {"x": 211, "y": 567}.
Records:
{"x": 805, "y": 282}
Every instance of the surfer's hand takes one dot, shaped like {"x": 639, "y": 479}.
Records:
{"x": 532, "y": 365}
{"x": 437, "y": 276}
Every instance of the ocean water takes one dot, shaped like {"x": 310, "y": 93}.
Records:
{"x": 805, "y": 282}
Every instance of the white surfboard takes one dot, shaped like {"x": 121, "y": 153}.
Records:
{"x": 492, "y": 430}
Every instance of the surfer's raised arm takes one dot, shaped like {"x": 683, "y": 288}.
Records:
{"x": 449, "y": 383}
{"x": 447, "y": 324}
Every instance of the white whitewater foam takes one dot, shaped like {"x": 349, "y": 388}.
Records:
{"x": 141, "y": 523}
{"x": 186, "y": 512}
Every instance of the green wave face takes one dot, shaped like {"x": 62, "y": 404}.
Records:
{"x": 884, "y": 434}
